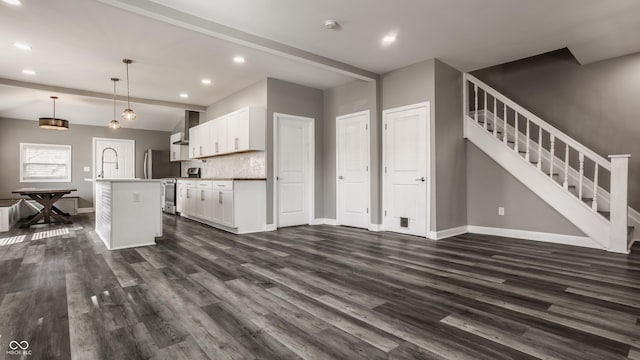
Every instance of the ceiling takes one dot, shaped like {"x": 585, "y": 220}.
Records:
{"x": 79, "y": 45}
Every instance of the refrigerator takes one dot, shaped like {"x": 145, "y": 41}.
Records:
{"x": 157, "y": 165}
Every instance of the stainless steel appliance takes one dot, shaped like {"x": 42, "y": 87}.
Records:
{"x": 193, "y": 172}
{"x": 169, "y": 195}
{"x": 158, "y": 165}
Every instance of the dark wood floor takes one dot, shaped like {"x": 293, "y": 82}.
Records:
{"x": 313, "y": 293}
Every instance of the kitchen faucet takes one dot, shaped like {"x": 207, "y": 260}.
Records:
{"x": 101, "y": 175}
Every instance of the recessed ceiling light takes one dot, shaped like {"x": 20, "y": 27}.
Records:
{"x": 206, "y": 81}
{"x": 389, "y": 39}
{"x": 183, "y": 95}
{"x": 238, "y": 60}
{"x": 28, "y": 72}
{"x": 22, "y": 46}
{"x": 13, "y": 2}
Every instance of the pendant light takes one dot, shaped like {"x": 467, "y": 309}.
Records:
{"x": 128, "y": 113}
{"x": 114, "y": 124}
{"x": 53, "y": 123}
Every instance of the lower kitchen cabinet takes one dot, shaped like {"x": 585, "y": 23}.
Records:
{"x": 237, "y": 206}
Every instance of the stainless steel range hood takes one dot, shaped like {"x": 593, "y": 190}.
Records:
{"x": 191, "y": 119}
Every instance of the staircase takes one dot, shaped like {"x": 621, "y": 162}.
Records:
{"x": 587, "y": 189}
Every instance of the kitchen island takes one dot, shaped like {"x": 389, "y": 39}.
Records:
{"x": 128, "y": 212}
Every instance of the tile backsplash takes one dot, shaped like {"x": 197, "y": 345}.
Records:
{"x": 249, "y": 165}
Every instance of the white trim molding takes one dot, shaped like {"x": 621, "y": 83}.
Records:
{"x": 447, "y": 233}
{"x": 573, "y": 240}
{"x": 376, "y": 227}
{"x": 87, "y": 210}
{"x": 324, "y": 221}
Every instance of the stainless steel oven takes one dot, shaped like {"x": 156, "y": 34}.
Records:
{"x": 169, "y": 195}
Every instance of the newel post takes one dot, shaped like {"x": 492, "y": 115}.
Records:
{"x": 618, "y": 203}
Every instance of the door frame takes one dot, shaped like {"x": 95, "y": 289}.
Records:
{"x": 430, "y": 205}
{"x": 311, "y": 122}
{"x": 343, "y": 117}
{"x": 93, "y": 151}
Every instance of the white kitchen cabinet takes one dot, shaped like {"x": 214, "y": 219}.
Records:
{"x": 204, "y": 200}
{"x": 223, "y": 207}
{"x": 186, "y": 197}
{"x": 242, "y": 130}
{"x": 194, "y": 142}
{"x": 218, "y": 136}
{"x": 246, "y": 129}
{"x": 178, "y": 152}
{"x": 237, "y": 206}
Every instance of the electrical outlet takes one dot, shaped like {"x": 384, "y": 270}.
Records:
{"x": 500, "y": 211}
{"x": 86, "y": 169}
{"x": 136, "y": 197}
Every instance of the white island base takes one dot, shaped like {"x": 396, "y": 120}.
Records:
{"x": 128, "y": 212}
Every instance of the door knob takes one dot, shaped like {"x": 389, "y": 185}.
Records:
{"x": 421, "y": 179}
{"x": 340, "y": 177}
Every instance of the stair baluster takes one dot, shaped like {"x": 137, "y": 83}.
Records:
{"x": 539, "y": 165}
{"x": 594, "y": 203}
{"x": 552, "y": 139}
{"x": 581, "y": 176}
{"x": 475, "y": 115}
{"x": 527, "y": 155}
{"x": 486, "y": 118}
{"x": 565, "y": 184}
{"x": 495, "y": 113}
{"x": 515, "y": 147}
{"x": 504, "y": 138}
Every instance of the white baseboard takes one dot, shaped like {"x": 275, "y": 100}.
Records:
{"x": 376, "y": 227}
{"x": 270, "y": 227}
{"x": 324, "y": 221}
{"x": 443, "y": 234}
{"x": 85, "y": 210}
{"x": 574, "y": 240}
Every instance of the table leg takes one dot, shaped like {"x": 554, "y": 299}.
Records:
{"x": 58, "y": 211}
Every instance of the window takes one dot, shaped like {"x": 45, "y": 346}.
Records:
{"x": 45, "y": 163}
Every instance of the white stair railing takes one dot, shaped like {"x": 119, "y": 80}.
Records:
{"x": 477, "y": 93}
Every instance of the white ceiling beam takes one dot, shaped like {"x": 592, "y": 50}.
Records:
{"x": 98, "y": 95}
{"x": 194, "y": 23}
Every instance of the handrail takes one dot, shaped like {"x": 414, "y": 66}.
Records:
{"x": 541, "y": 123}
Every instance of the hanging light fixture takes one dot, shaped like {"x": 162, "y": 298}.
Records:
{"x": 128, "y": 113}
{"x": 53, "y": 123}
{"x": 114, "y": 124}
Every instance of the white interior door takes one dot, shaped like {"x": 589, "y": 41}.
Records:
{"x": 405, "y": 169}
{"x": 352, "y": 158}
{"x": 124, "y": 156}
{"x": 294, "y": 170}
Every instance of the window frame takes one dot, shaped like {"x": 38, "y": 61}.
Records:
{"x": 67, "y": 179}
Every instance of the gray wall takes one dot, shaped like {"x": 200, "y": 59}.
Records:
{"x": 346, "y": 99}
{"x": 490, "y": 186}
{"x": 80, "y": 137}
{"x": 596, "y": 104}
{"x": 451, "y": 177}
{"x": 253, "y": 95}
{"x": 293, "y": 99}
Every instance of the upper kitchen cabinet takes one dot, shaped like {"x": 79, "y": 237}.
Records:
{"x": 200, "y": 141}
{"x": 246, "y": 129}
{"x": 242, "y": 130}
{"x": 178, "y": 152}
{"x": 218, "y": 134}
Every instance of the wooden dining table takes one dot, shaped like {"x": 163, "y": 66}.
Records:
{"x": 47, "y": 198}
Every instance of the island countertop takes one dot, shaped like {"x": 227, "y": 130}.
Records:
{"x": 128, "y": 180}
{"x": 225, "y": 179}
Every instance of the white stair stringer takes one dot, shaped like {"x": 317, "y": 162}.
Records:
{"x": 559, "y": 167}
{"x": 595, "y": 226}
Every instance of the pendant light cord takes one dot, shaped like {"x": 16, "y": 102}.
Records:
{"x": 114, "y": 99}
{"x": 54, "y": 108}
{"x": 128, "y": 101}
